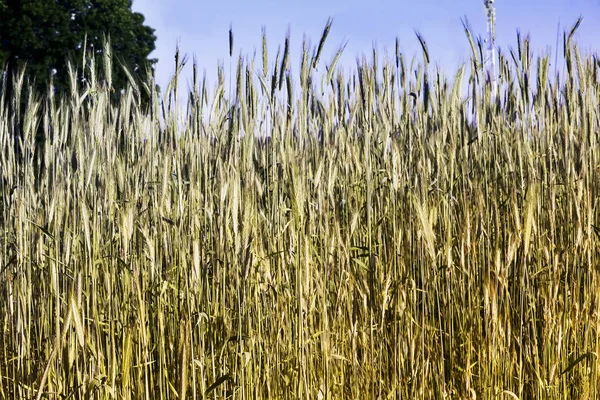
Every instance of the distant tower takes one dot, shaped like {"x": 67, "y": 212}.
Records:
{"x": 490, "y": 62}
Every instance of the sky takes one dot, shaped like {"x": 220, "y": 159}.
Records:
{"x": 202, "y": 29}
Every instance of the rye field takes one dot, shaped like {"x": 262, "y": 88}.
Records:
{"x": 301, "y": 232}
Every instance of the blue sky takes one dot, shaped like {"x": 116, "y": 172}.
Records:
{"x": 201, "y": 28}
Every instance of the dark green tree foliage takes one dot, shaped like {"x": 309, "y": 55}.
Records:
{"x": 47, "y": 33}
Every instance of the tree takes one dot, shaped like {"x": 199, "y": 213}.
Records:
{"x": 46, "y": 34}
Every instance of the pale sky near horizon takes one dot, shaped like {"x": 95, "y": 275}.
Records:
{"x": 201, "y": 28}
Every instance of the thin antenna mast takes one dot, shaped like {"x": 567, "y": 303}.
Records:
{"x": 491, "y": 39}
